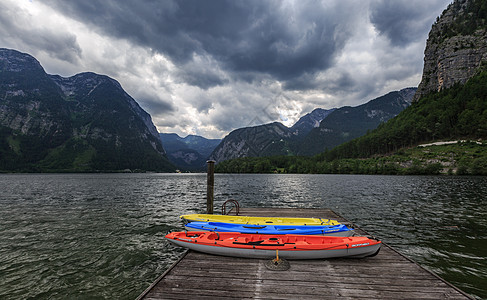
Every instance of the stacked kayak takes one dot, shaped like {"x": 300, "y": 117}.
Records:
{"x": 264, "y": 246}
{"x": 258, "y": 220}
{"x": 260, "y": 237}
{"x": 330, "y": 230}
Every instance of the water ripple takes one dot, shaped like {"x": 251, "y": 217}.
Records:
{"x": 87, "y": 236}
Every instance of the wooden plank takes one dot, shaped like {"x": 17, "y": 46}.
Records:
{"x": 387, "y": 275}
{"x": 205, "y": 282}
{"x": 270, "y": 290}
{"x": 305, "y": 289}
{"x": 338, "y": 277}
{"x": 154, "y": 284}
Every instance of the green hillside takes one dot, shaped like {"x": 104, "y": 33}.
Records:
{"x": 456, "y": 113}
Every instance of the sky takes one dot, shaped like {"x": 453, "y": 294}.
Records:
{"x": 208, "y": 67}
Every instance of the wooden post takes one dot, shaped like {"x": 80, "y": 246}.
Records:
{"x": 210, "y": 186}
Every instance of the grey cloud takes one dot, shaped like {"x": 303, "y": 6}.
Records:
{"x": 403, "y": 22}
{"x": 202, "y": 102}
{"x": 60, "y": 44}
{"x": 204, "y": 74}
{"x": 271, "y": 37}
{"x": 238, "y": 55}
{"x": 226, "y": 122}
{"x": 339, "y": 81}
{"x": 203, "y": 80}
{"x": 155, "y": 105}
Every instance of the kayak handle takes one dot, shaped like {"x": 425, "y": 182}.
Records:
{"x": 258, "y": 243}
{"x": 254, "y": 227}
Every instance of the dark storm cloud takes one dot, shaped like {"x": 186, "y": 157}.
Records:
{"x": 211, "y": 66}
{"x": 403, "y": 22}
{"x": 273, "y": 37}
{"x": 203, "y": 75}
{"x": 154, "y": 104}
{"x": 341, "y": 81}
{"x": 59, "y": 44}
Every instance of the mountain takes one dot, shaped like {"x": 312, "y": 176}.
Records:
{"x": 309, "y": 121}
{"x": 264, "y": 140}
{"x": 335, "y": 126}
{"x": 456, "y": 46}
{"x": 172, "y": 142}
{"x": 190, "y": 152}
{"x": 83, "y": 123}
{"x": 203, "y": 145}
{"x": 347, "y": 123}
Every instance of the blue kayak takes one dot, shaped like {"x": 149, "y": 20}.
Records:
{"x": 333, "y": 230}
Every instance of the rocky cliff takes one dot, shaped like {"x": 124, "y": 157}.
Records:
{"x": 309, "y": 121}
{"x": 86, "y": 122}
{"x": 84, "y": 85}
{"x": 26, "y": 95}
{"x": 456, "y": 46}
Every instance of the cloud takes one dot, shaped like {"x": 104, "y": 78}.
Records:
{"x": 56, "y": 42}
{"x": 279, "y": 38}
{"x": 203, "y": 72}
{"x": 155, "y": 104}
{"x": 403, "y": 22}
{"x": 209, "y": 67}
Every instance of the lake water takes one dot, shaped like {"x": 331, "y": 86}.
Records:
{"x": 100, "y": 236}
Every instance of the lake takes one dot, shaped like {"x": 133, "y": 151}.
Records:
{"x": 100, "y": 236}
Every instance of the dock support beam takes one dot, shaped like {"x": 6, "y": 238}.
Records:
{"x": 210, "y": 186}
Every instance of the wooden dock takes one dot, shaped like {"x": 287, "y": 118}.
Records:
{"x": 389, "y": 275}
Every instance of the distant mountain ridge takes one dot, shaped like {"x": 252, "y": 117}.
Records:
{"x": 263, "y": 140}
{"x": 309, "y": 121}
{"x": 347, "y": 123}
{"x": 188, "y": 153}
{"x": 336, "y": 126}
{"x": 83, "y": 123}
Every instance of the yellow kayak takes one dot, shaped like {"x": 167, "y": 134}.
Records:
{"x": 258, "y": 220}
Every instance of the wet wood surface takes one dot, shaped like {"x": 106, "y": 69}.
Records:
{"x": 389, "y": 275}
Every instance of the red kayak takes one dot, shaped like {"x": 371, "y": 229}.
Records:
{"x": 265, "y": 245}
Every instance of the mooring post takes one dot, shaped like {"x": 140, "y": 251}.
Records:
{"x": 210, "y": 186}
